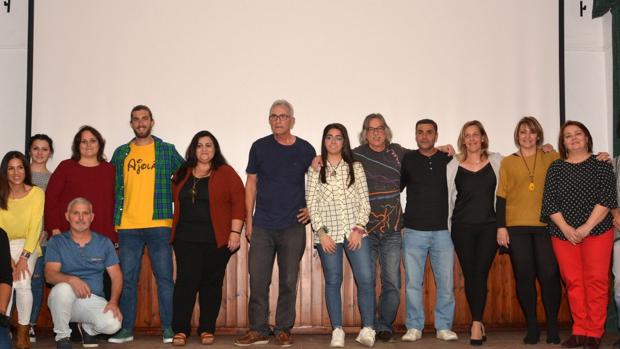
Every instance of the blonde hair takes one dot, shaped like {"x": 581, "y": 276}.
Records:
{"x": 462, "y": 155}
{"x": 534, "y": 126}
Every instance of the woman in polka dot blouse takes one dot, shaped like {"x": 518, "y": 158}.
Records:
{"x": 579, "y": 193}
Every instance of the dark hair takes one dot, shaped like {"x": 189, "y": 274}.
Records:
{"x": 41, "y": 137}
{"x": 347, "y": 154}
{"x": 562, "y": 149}
{"x": 141, "y": 107}
{"x": 190, "y": 156}
{"x": 5, "y": 189}
{"x": 534, "y": 126}
{"x": 426, "y": 122}
{"x": 75, "y": 147}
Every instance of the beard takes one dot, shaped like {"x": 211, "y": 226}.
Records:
{"x": 142, "y": 133}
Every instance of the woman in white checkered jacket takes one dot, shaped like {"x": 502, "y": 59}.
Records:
{"x": 337, "y": 197}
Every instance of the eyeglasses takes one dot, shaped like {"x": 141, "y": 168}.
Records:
{"x": 281, "y": 117}
{"x": 375, "y": 129}
{"x": 329, "y": 138}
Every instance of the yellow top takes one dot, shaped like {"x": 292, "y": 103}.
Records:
{"x": 24, "y": 219}
{"x": 139, "y": 177}
{"x": 522, "y": 204}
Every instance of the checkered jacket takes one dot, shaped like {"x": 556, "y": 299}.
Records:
{"x": 167, "y": 161}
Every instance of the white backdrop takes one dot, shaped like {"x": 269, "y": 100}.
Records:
{"x": 219, "y": 64}
{"x": 589, "y": 71}
{"x": 13, "y": 74}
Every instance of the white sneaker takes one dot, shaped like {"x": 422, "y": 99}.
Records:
{"x": 337, "y": 338}
{"x": 447, "y": 335}
{"x": 412, "y": 335}
{"x": 32, "y": 335}
{"x": 366, "y": 337}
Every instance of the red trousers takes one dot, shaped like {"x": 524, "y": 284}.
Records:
{"x": 585, "y": 270}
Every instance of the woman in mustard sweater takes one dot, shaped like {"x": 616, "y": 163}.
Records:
{"x": 519, "y": 198}
{"x": 21, "y": 213}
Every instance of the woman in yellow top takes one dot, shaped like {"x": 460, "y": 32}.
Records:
{"x": 519, "y": 199}
{"x": 21, "y": 213}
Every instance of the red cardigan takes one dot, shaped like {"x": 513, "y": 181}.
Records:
{"x": 226, "y": 198}
{"x": 70, "y": 180}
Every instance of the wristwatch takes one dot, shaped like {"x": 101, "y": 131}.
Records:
{"x": 26, "y": 254}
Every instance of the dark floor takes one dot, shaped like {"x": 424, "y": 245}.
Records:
{"x": 495, "y": 340}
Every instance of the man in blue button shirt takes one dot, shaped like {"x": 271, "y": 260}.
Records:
{"x": 74, "y": 264}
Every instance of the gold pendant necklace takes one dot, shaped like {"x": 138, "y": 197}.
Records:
{"x": 531, "y": 186}
{"x": 194, "y": 191}
{"x": 333, "y": 172}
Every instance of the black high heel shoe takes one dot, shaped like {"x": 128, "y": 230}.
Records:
{"x": 479, "y": 342}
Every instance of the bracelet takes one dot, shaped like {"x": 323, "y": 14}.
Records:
{"x": 236, "y": 232}
{"x": 26, "y": 254}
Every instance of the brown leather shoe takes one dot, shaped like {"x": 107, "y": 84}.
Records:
{"x": 574, "y": 341}
{"x": 592, "y": 343}
{"x": 251, "y": 337}
{"x": 284, "y": 339}
{"x": 22, "y": 339}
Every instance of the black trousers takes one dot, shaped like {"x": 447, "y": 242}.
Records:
{"x": 476, "y": 246}
{"x": 200, "y": 269}
{"x": 531, "y": 255}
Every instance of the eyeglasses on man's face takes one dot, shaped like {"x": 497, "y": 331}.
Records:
{"x": 281, "y": 117}
{"x": 375, "y": 129}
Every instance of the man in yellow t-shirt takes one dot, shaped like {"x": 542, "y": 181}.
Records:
{"x": 143, "y": 217}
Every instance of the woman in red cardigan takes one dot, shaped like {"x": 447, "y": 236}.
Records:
{"x": 209, "y": 210}
{"x": 86, "y": 174}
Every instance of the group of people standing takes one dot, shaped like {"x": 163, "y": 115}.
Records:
{"x": 551, "y": 211}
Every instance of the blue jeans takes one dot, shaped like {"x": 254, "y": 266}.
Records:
{"x": 417, "y": 245}
{"x": 5, "y": 342}
{"x": 362, "y": 272}
{"x": 37, "y": 283}
{"x": 131, "y": 248}
{"x": 387, "y": 248}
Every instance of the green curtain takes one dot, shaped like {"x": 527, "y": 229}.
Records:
{"x": 601, "y": 7}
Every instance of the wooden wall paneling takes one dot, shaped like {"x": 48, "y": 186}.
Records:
{"x": 502, "y": 308}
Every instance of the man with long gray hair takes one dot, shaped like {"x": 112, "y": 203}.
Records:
{"x": 382, "y": 162}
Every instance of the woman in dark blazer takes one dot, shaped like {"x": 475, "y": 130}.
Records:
{"x": 6, "y": 282}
